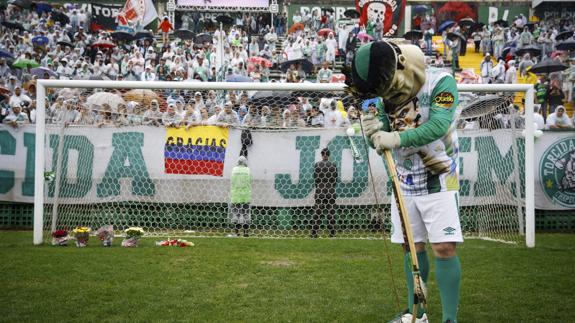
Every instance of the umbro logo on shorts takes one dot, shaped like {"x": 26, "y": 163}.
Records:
{"x": 449, "y": 231}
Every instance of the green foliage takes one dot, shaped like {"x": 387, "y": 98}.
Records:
{"x": 269, "y": 280}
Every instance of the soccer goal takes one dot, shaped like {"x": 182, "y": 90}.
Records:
{"x": 152, "y": 154}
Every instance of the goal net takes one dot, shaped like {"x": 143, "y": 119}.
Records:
{"x": 165, "y": 157}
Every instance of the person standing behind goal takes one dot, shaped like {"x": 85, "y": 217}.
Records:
{"x": 325, "y": 180}
{"x": 241, "y": 197}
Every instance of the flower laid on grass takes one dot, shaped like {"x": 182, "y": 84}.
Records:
{"x": 60, "y": 238}
{"x": 106, "y": 235}
{"x": 133, "y": 235}
{"x": 174, "y": 243}
{"x": 82, "y": 234}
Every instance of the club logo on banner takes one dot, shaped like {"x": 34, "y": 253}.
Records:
{"x": 103, "y": 16}
{"x": 557, "y": 167}
{"x": 389, "y": 11}
{"x": 197, "y": 151}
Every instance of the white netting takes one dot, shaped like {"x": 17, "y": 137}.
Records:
{"x": 163, "y": 160}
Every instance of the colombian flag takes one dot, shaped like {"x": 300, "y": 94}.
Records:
{"x": 198, "y": 151}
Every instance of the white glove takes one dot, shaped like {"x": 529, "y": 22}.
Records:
{"x": 371, "y": 124}
{"x": 383, "y": 140}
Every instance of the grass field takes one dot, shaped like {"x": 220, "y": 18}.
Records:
{"x": 261, "y": 280}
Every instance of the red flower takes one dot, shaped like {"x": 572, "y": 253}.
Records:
{"x": 59, "y": 233}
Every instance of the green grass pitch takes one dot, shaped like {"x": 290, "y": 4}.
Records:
{"x": 272, "y": 280}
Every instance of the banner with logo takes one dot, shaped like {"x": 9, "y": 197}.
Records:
{"x": 137, "y": 14}
{"x": 224, "y": 3}
{"x": 103, "y": 16}
{"x": 390, "y": 12}
{"x": 129, "y": 164}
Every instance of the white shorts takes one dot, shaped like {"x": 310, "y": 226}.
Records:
{"x": 434, "y": 217}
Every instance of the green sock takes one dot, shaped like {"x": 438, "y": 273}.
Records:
{"x": 423, "y": 261}
{"x": 448, "y": 274}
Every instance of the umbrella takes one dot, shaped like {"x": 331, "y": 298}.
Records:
{"x": 184, "y": 34}
{"x": 466, "y": 22}
{"x": 502, "y": 23}
{"x": 24, "y": 4}
{"x": 104, "y": 44}
{"x": 13, "y": 25}
{"x": 5, "y": 54}
{"x": 305, "y": 64}
{"x": 453, "y": 36}
{"x": 122, "y": 35}
{"x": 364, "y": 36}
{"x": 261, "y": 61}
{"x": 477, "y": 26}
{"x": 420, "y": 8}
{"x": 325, "y": 32}
{"x": 60, "y": 17}
{"x": 271, "y": 98}
{"x": 327, "y": 9}
{"x": 203, "y": 38}
{"x": 40, "y": 71}
{"x": 351, "y": 13}
{"x": 413, "y": 35}
{"x": 532, "y": 50}
{"x": 40, "y": 40}
{"x": 295, "y": 27}
{"x": 548, "y": 66}
{"x": 101, "y": 98}
{"x": 446, "y": 24}
{"x": 564, "y": 35}
{"x": 24, "y": 63}
{"x": 566, "y": 45}
{"x": 225, "y": 20}
{"x": 144, "y": 34}
{"x": 237, "y": 78}
{"x": 505, "y": 51}
{"x": 143, "y": 97}
{"x": 65, "y": 43}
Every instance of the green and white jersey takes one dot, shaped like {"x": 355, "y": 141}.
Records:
{"x": 428, "y": 158}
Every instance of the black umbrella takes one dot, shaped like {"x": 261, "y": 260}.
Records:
{"x": 502, "y": 23}
{"x": 351, "y": 13}
{"x": 548, "y": 66}
{"x": 273, "y": 98}
{"x": 466, "y": 22}
{"x": 203, "y": 38}
{"x": 531, "y": 50}
{"x": 413, "y": 35}
{"x": 60, "y": 17}
{"x": 421, "y": 8}
{"x": 184, "y": 34}
{"x": 305, "y": 65}
{"x": 477, "y": 26}
{"x": 530, "y": 25}
{"x": 13, "y": 25}
{"x": 24, "y": 4}
{"x": 568, "y": 44}
{"x": 505, "y": 51}
{"x": 144, "y": 34}
{"x": 564, "y": 35}
{"x": 327, "y": 9}
{"x": 453, "y": 36}
{"x": 65, "y": 43}
{"x": 122, "y": 35}
{"x": 226, "y": 20}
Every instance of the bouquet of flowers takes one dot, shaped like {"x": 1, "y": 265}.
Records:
{"x": 133, "y": 235}
{"x": 60, "y": 238}
{"x": 106, "y": 235}
{"x": 174, "y": 243}
{"x": 82, "y": 234}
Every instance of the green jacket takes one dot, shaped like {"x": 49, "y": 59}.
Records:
{"x": 241, "y": 185}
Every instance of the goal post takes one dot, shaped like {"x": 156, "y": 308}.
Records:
{"x": 486, "y": 227}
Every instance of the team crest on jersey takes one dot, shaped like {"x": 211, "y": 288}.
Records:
{"x": 557, "y": 172}
{"x": 444, "y": 100}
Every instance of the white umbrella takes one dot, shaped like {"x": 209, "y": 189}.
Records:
{"x": 101, "y": 98}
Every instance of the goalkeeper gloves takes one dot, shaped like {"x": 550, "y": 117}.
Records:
{"x": 383, "y": 140}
